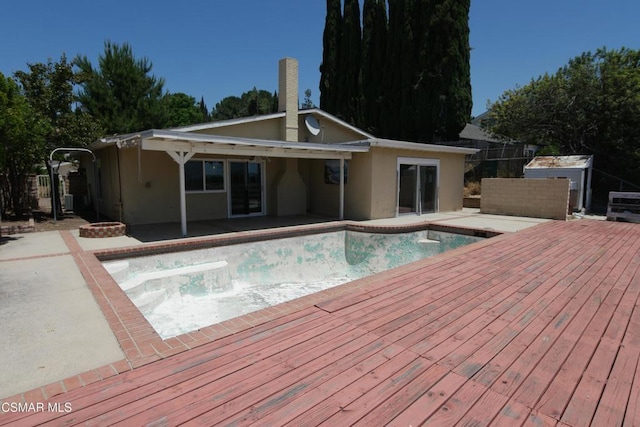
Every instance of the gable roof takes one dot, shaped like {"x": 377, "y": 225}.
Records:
{"x": 476, "y": 133}
{"x": 271, "y": 116}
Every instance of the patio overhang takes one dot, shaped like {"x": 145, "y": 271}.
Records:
{"x": 182, "y": 146}
{"x": 175, "y": 141}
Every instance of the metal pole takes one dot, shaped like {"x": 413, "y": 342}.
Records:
{"x": 52, "y": 190}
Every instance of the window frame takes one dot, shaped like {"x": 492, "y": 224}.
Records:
{"x": 202, "y": 162}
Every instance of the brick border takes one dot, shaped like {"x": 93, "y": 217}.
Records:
{"x": 103, "y": 229}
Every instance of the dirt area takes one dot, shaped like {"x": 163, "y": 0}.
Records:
{"x": 43, "y": 221}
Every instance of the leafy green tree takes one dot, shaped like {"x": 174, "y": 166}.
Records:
{"x": 181, "y": 110}
{"x": 329, "y": 72}
{"x": 589, "y": 106}
{"x": 121, "y": 93}
{"x": 48, "y": 89}
{"x": 307, "y": 102}
{"x": 22, "y": 145}
{"x": 250, "y": 103}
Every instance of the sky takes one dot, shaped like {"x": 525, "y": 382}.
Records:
{"x": 215, "y": 48}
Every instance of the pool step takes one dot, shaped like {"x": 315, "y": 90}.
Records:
{"x": 170, "y": 278}
{"x": 119, "y": 270}
{"x": 428, "y": 241}
{"x": 147, "y": 301}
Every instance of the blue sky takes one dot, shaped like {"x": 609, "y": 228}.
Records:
{"x": 220, "y": 48}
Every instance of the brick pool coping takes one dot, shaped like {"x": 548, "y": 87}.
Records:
{"x": 142, "y": 345}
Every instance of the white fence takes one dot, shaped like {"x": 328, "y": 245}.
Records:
{"x": 44, "y": 191}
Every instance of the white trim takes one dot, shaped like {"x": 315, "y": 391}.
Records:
{"x": 417, "y": 161}
{"x": 404, "y": 145}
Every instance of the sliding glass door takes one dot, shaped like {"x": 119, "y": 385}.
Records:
{"x": 246, "y": 182}
{"x": 417, "y": 185}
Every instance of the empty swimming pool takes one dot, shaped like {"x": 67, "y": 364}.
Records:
{"x": 183, "y": 291}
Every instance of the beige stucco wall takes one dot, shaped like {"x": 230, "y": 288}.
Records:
{"x": 384, "y": 180}
{"x": 536, "y": 198}
{"x": 263, "y": 129}
{"x": 330, "y": 132}
{"x": 155, "y": 197}
{"x": 370, "y": 192}
{"x": 109, "y": 201}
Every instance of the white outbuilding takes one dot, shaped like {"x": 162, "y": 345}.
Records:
{"x": 576, "y": 168}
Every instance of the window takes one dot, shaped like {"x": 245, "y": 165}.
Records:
{"x": 204, "y": 175}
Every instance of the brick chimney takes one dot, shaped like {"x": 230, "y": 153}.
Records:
{"x": 288, "y": 97}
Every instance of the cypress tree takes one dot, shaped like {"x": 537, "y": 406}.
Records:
{"x": 204, "y": 110}
{"x": 349, "y": 63}
{"x": 374, "y": 40}
{"x": 330, "y": 55}
{"x": 397, "y": 67}
{"x": 445, "y": 86}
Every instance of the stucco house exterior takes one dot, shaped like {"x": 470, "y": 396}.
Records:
{"x": 285, "y": 163}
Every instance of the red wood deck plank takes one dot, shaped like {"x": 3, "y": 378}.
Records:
{"x": 292, "y": 408}
{"x": 535, "y": 349}
{"x": 338, "y": 402}
{"x": 613, "y": 403}
{"x": 298, "y": 383}
{"x": 221, "y": 383}
{"x": 398, "y": 402}
{"x": 528, "y": 323}
{"x": 542, "y": 375}
{"x": 420, "y": 410}
{"x": 485, "y": 410}
{"x": 512, "y": 414}
{"x": 562, "y": 388}
{"x": 353, "y": 411}
{"x": 455, "y": 408}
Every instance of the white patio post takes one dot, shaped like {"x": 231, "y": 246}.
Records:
{"x": 341, "y": 188}
{"x": 181, "y": 158}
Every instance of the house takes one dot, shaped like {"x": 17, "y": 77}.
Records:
{"x": 578, "y": 169}
{"x": 285, "y": 163}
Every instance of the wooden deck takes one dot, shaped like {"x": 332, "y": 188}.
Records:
{"x": 540, "y": 327}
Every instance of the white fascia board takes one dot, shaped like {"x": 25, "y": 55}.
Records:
{"x": 163, "y": 140}
{"x": 435, "y": 148}
{"x": 335, "y": 120}
{"x": 229, "y": 122}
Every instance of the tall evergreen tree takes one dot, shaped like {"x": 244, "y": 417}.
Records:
{"x": 204, "y": 111}
{"x": 349, "y": 63}
{"x": 394, "y": 105}
{"x": 445, "y": 76}
{"x": 374, "y": 40}
{"x": 330, "y": 55}
{"x": 121, "y": 94}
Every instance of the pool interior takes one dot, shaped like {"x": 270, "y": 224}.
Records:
{"x": 183, "y": 291}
